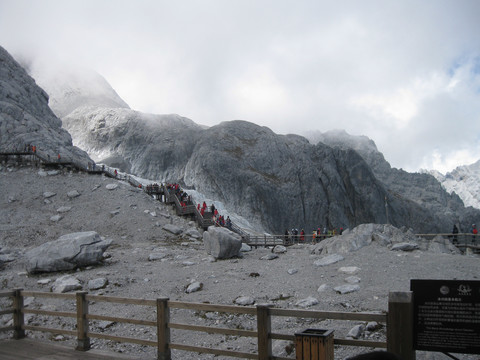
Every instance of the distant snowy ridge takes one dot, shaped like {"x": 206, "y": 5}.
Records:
{"x": 464, "y": 181}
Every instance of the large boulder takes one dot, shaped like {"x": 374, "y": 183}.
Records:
{"x": 364, "y": 235}
{"x": 221, "y": 243}
{"x": 67, "y": 252}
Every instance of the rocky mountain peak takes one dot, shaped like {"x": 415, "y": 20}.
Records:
{"x": 26, "y": 118}
{"x": 71, "y": 87}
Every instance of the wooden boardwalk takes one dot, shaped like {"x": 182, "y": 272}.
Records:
{"x": 40, "y": 350}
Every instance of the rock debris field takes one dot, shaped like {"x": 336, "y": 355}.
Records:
{"x": 153, "y": 253}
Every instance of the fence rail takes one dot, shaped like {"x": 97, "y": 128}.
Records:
{"x": 163, "y": 324}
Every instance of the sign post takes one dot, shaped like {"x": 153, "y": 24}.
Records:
{"x": 446, "y": 315}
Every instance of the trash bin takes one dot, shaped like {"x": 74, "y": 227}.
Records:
{"x": 314, "y": 344}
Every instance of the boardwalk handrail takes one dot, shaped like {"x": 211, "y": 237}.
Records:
{"x": 44, "y": 157}
{"x": 163, "y": 324}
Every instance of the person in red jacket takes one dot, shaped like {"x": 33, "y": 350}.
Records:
{"x": 474, "y": 232}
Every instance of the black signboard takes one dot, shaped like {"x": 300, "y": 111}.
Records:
{"x": 446, "y": 315}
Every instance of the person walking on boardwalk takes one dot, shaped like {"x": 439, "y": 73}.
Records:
{"x": 474, "y": 232}
{"x": 455, "y": 232}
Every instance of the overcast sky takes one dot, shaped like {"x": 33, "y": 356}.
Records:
{"x": 404, "y": 73}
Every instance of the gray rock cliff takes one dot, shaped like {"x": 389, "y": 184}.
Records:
{"x": 25, "y": 117}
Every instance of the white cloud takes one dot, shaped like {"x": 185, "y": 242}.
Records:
{"x": 406, "y": 73}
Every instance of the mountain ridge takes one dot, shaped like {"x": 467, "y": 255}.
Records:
{"x": 276, "y": 181}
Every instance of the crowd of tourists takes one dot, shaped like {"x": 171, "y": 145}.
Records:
{"x": 317, "y": 235}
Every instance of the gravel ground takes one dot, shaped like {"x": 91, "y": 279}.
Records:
{"x": 134, "y": 222}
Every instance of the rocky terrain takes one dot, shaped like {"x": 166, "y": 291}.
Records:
{"x": 145, "y": 260}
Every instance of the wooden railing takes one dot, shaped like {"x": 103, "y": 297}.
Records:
{"x": 44, "y": 157}
{"x": 160, "y": 321}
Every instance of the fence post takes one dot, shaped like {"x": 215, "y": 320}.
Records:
{"x": 163, "y": 331}
{"x": 83, "y": 341}
{"x": 264, "y": 327}
{"x": 400, "y": 324}
{"x": 18, "y": 316}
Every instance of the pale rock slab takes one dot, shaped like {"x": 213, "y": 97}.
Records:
{"x": 329, "y": 260}
{"x": 98, "y": 283}
{"x": 194, "y": 287}
{"x": 67, "y": 252}
{"x": 244, "y": 300}
{"x": 221, "y": 243}
{"x": 349, "y": 269}
{"x": 346, "y": 289}
{"x": 405, "y": 246}
{"x": 73, "y": 194}
{"x": 307, "y": 302}
{"x": 175, "y": 230}
{"x": 66, "y": 283}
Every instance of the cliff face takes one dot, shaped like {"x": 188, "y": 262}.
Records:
{"x": 283, "y": 181}
{"x": 150, "y": 146}
{"x": 25, "y": 117}
{"x": 444, "y": 196}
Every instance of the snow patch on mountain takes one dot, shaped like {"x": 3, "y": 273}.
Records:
{"x": 464, "y": 181}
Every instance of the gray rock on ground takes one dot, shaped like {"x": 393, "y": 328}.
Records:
{"x": 68, "y": 252}
{"x": 329, "y": 260}
{"x": 405, "y": 246}
{"x": 322, "y": 288}
{"x": 194, "y": 287}
{"x": 96, "y": 284}
{"x": 245, "y": 248}
{"x": 357, "y": 331}
{"x": 73, "y": 194}
{"x": 193, "y": 233}
{"x": 307, "y": 302}
{"x": 353, "y": 279}
{"x": 244, "y": 300}
{"x": 56, "y": 218}
{"x": 349, "y": 269}
{"x": 66, "y": 283}
{"x": 346, "y": 289}
{"x": 175, "y": 230}
{"x": 221, "y": 243}
{"x": 156, "y": 256}
{"x": 279, "y": 249}
{"x": 48, "y": 194}
{"x": 269, "y": 257}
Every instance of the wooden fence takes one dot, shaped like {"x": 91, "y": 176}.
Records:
{"x": 399, "y": 328}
